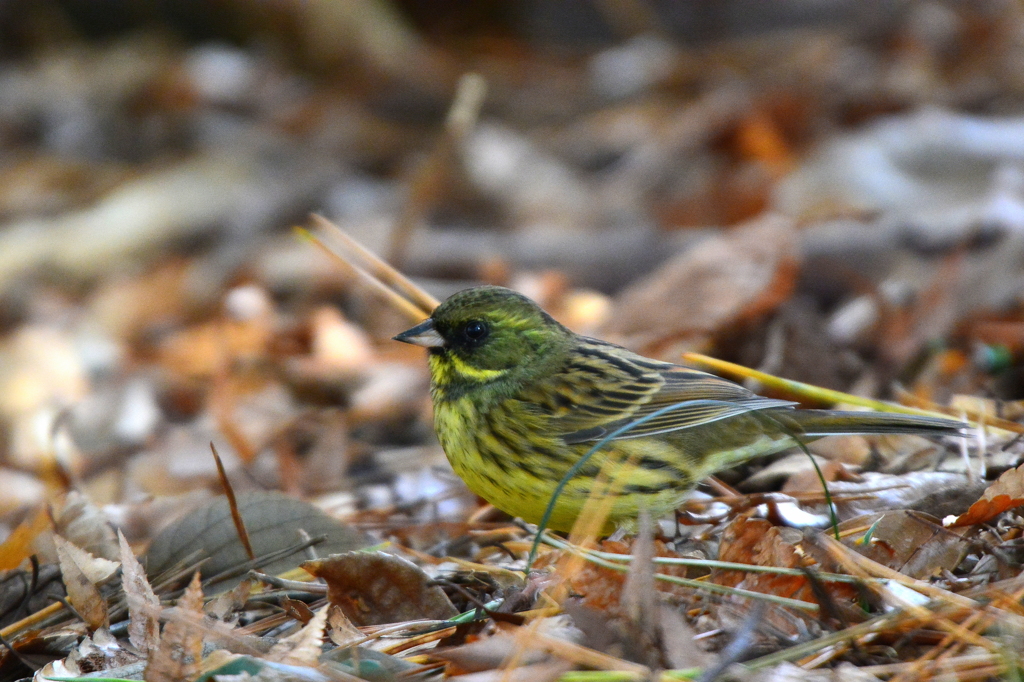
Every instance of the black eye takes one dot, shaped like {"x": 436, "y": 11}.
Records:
{"x": 475, "y": 331}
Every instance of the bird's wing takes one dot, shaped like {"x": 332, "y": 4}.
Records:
{"x": 690, "y": 398}
{"x": 604, "y": 388}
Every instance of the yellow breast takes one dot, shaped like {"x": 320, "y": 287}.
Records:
{"x": 504, "y": 458}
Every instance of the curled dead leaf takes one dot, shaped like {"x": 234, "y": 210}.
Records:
{"x": 374, "y": 588}
{"x": 304, "y": 647}
{"x": 82, "y": 572}
{"x": 143, "y": 604}
{"x": 758, "y": 542}
{"x": 1005, "y": 494}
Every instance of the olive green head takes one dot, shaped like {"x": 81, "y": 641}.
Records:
{"x": 480, "y": 334}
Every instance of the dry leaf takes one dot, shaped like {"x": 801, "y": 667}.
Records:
{"x": 273, "y": 521}
{"x": 783, "y": 471}
{"x": 601, "y": 588}
{"x": 912, "y": 543}
{"x": 143, "y": 604}
{"x": 489, "y": 653}
{"x": 180, "y": 653}
{"x": 806, "y": 480}
{"x": 18, "y": 545}
{"x": 81, "y": 523}
{"x": 342, "y": 632}
{"x": 374, "y": 588}
{"x": 96, "y": 569}
{"x": 304, "y": 647}
{"x": 226, "y": 603}
{"x": 81, "y": 572}
{"x": 720, "y": 282}
{"x": 758, "y": 542}
{"x": 126, "y": 306}
{"x": 928, "y": 491}
{"x": 1005, "y": 494}
{"x": 297, "y": 610}
{"x": 337, "y": 344}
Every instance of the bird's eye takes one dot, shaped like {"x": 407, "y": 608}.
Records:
{"x": 475, "y": 331}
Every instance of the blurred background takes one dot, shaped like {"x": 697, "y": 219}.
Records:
{"x": 832, "y": 191}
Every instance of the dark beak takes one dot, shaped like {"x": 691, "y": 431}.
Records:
{"x": 422, "y": 334}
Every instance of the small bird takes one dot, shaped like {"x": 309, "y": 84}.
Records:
{"x": 519, "y": 399}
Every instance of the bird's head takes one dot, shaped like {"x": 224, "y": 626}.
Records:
{"x": 487, "y": 333}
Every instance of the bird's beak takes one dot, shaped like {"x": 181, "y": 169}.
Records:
{"x": 422, "y": 334}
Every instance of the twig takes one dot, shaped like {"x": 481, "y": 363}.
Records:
{"x": 377, "y": 267}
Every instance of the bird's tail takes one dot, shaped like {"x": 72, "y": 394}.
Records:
{"x": 815, "y": 423}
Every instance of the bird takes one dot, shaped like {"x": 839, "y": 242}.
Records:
{"x": 519, "y": 399}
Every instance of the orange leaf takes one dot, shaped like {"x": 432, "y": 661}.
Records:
{"x": 758, "y": 542}
{"x": 18, "y": 545}
{"x": 1006, "y": 493}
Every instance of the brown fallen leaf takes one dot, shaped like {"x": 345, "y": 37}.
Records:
{"x": 179, "y": 655}
{"x": 488, "y": 653}
{"x": 934, "y": 492}
{"x": 143, "y": 604}
{"x": 201, "y": 350}
{"x": 758, "y": 542}
{"x": 273, "y": 521}
{"x": 81, "y": 522}
{"x": 797, "y": 474}
{"x": 621, "y": 615}
{"x": 722, "y": 281}
{"x": 18, "y": 545}
{"x": 1005, "y": 494}
{"x": 910, "y": 542}
{"x": 374, "y": 588}
{"x": 601, "y": 589}
{"x": 226, "y": 603}
{"x": 82, "y": 572}
{"x": 340, "y": 629}
{"x": 298, "y": 610}
{"x": 302, "y": 648}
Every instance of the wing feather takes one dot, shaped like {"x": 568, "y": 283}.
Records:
{"x": 618, "y": 387}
